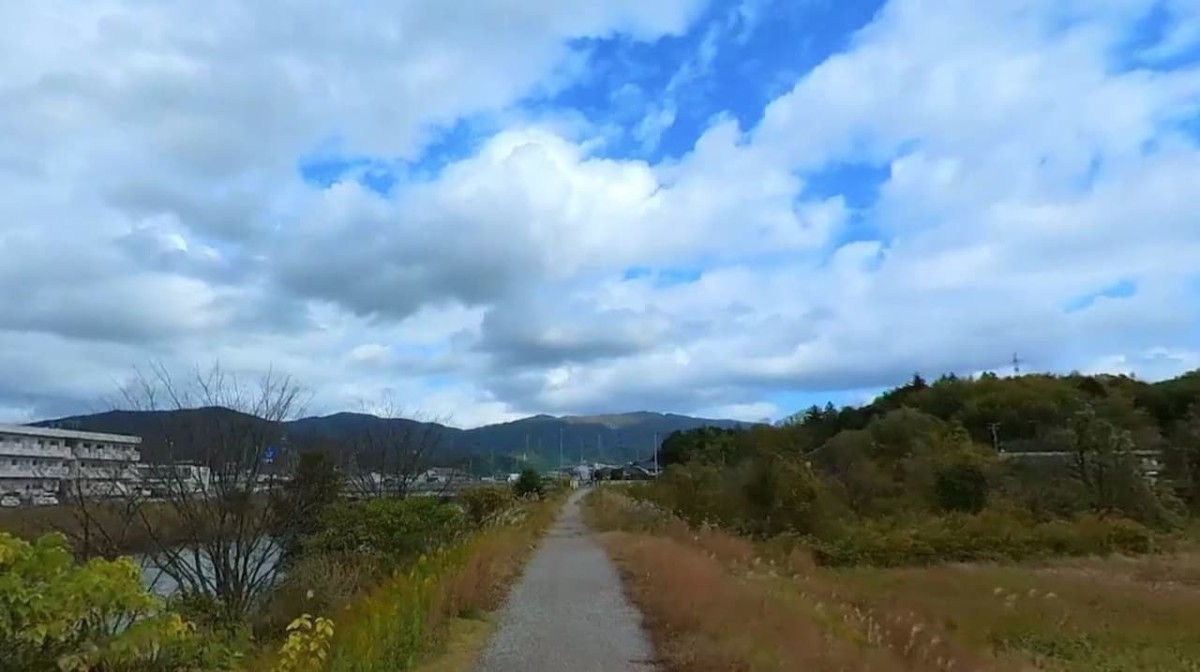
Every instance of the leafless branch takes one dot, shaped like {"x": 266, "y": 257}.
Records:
{"x": 207, "y": 515}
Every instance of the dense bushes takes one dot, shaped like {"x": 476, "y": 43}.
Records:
{"x": 394, "y": 530}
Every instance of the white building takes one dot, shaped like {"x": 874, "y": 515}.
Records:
{"x": 172, "y": 480}
{"x": 37, "y": 460}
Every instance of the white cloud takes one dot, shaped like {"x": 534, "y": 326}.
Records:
{"x": 150, "y": 207}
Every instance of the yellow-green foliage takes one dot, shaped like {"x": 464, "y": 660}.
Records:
{"x": 393, "y": 624}
{"x": 307, "y": 646}
{"x": 56, "y": 615}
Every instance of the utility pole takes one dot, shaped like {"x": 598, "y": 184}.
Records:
{"x": 1016, "y": 362}
{"x": 655, "y": 453}
{"x": 560, "y": 448}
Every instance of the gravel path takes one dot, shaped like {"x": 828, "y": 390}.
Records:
{"x": 569, "y": 613}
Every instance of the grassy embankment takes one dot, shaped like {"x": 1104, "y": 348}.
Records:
{"x": 388, "y": 612}
{"x": 714, "y": 601}
{"x": 437, "y": 614}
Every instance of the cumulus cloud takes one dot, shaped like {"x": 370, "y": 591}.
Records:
{"x": 1032, "y": 154}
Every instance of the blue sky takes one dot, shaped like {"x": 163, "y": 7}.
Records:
{"x": 721, "y": 207}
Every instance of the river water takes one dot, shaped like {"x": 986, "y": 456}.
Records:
{"x": 161, "y": 583}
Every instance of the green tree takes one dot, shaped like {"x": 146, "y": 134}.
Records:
{"x": 1102, "y": 461}
{"x": 711, "y": 444}
{"x": 302, "y": 501}
{"x": 529, "y": 484}
{"x": 962, "y": 487}
{"x": 1184, "y": 459}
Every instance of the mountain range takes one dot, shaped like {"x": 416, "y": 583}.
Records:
{"x": 540, "y": 440}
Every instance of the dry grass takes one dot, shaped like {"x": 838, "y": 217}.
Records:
{"x": 466, "y": 639}
{"x": 711, "y": 603}
{"x": 1163, "y": 573}
{"x": 1074, "y": 615}
{"x": 704, "y": 617}
{"x": 717, "y": 602}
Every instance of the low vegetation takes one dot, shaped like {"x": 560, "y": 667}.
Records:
{"x": 374, "y": 585}
{"x": 956, "y": 470}
{"x": 59, "y": 615}
{"x": 1036, "y": 522}
{"x": 103, "y": 529}
{"x": 718, "y": 601}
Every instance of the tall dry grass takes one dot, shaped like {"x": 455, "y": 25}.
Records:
{"x": 704, "y": 618}
{"x": 715, "y": 601}
{"x": 1097, "y": 614}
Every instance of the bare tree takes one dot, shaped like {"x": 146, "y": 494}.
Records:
{"x": 205, "y": 508}
{"x": 103, "y": 503}
{"x": 391, "y": 450}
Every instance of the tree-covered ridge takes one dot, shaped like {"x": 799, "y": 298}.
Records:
{"x": 941, "y": 461}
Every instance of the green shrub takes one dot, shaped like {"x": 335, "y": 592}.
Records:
{"x": 529, "y": 484}
{"x": 395, "y": 530}
{"x": 961, "y": 487}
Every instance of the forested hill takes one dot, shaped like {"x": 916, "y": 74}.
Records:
{"x": 1104, "y": 444}
{"x": 609, "y": 438}
{"x": 1019, "y": 413}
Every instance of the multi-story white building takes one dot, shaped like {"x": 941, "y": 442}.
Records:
{"x": 42, "y": 460}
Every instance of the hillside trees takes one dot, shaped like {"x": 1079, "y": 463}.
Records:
{"x": 1029, "y": 450}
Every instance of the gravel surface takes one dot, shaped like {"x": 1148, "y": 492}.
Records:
{"x": 569, "y": 613}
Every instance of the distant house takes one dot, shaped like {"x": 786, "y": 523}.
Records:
{"x": 441, "y": 476}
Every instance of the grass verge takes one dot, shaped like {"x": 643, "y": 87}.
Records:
{"x": 714, "y": 601}
{"x": 466, "y": 639}
{"x": 411, "y": 618}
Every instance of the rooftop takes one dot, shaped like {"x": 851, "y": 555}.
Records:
{"x": 54, "y": 433}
